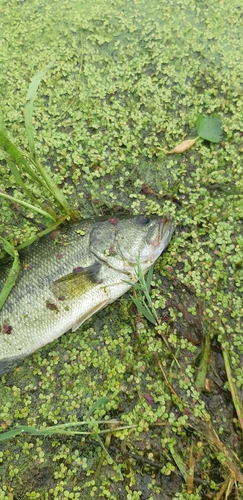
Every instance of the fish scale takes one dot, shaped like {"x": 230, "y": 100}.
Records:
{"x": 72, "y": 273}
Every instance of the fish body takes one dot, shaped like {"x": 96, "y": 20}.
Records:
{"x": 72, "y": 273}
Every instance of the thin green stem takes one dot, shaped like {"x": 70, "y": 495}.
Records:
{"x": 202, "y": 372}
{"x": 235, "y": 397}
{"x": 14, "y": 271}
{"x": 27, "y": 205}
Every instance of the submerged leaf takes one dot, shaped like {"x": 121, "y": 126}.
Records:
{"x": 209, "y": 128}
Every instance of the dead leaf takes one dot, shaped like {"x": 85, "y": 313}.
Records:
{"x": 183, "y": 146}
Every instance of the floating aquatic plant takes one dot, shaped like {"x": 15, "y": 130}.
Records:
{"x": 209, "y": 128}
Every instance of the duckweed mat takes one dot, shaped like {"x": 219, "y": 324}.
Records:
{"x": 129, "y": 77}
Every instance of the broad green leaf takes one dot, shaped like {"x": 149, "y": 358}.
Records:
{"x": 209, "y": 128}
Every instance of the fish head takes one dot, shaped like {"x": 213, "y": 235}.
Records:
{"x": 120, "y": 243}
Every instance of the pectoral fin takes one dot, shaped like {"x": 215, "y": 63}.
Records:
{"x": 89, "y": 313}
{"x": 77, "y": 283}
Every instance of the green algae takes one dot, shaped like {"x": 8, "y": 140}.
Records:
{"x": 130, "y": 77}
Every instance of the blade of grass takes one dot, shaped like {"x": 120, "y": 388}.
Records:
{"x": 2, "y": 124}
{"x": 203, "y": 368}
{"x": 12, "y": 276}
{"x": 146, "y": 313}
{"x": 178, "y": 460}
{"x": 30, "y": 96}
{"x": 149, "y": 278}
{"x": 16, "y": 155}
{"x": 4, "y": 436}
{"x": 28, "y": 205}
{"x": 52, "y": 187}
{"x": 22, "y": 184}
{"x": 146, "y": 291}
{"x": 12, "y": 152}
{"x": 43, "y": 180}
{"x": 143, "y": 288}
{"x": 235, "y": 397}
{"x": 61, "y": 429}
{"x": 11, "y": 165}
{"x": 104, "y": 455}
{"x": 49, "y": 229}
{"x": 205, "y": 428}
{"x": 100, "y": 402}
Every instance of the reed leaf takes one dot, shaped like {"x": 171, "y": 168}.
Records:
{"x": 144, "y": 310}
{"x": 30, "y": 96}
{"x": 14, "y": 271}
{"x": 28, "y": 205}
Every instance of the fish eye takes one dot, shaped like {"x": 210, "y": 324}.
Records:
{"x": 142, "y": 220}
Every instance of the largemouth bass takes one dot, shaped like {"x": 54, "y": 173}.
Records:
{"x": 72, "y": 273}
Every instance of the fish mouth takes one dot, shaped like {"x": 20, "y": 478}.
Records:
{"x": 163, "y": 236}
